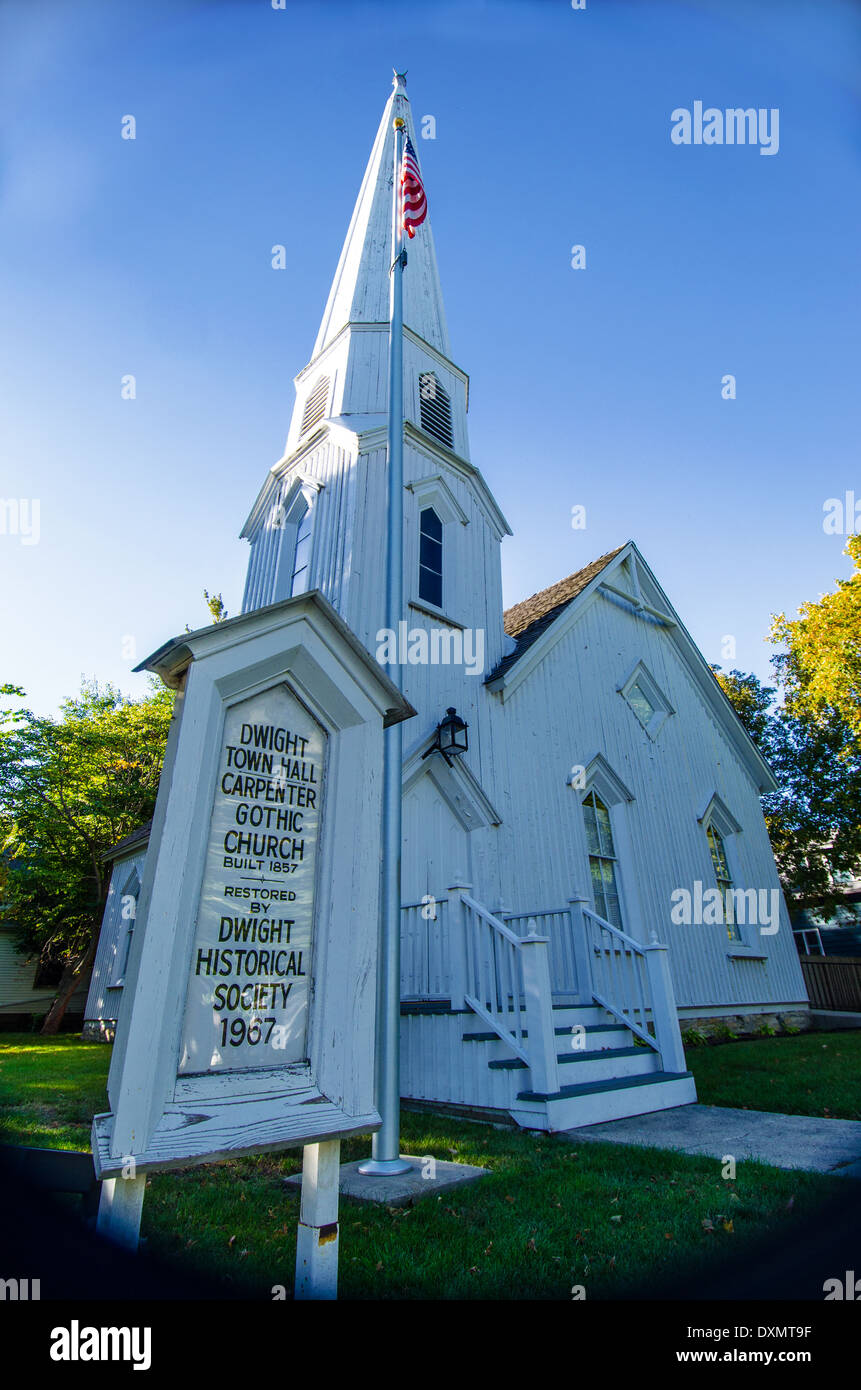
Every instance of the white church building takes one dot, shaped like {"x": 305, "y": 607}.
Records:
{"x": 593, "y": 871}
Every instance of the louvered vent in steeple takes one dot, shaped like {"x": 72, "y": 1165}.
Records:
{"x": 315, "y": 406}
{"x": 435, "y": 408}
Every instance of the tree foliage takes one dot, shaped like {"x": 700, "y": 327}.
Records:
{"x": 70, "y": 788}
{"x": 215, "y": 604}
{"x": 808, "y": 727}
{"x": 820, "y": 668}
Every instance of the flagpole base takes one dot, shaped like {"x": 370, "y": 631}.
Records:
{"x": 385, "y": 1167}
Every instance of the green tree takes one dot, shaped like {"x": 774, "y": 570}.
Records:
{"x": 215, "y": 604}
{"x": 814, "y": 820}
{"x": 70, "y": 788}
{"x": 820, "y": 668}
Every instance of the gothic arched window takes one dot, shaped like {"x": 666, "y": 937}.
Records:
{"x": 302, "y": 554}
{"x": 430, "y": 557}
{"x": 723, "y": 878}
{"x": 603, "y": 864}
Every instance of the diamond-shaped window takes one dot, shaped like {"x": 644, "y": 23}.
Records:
{"x": 645, "y": 697}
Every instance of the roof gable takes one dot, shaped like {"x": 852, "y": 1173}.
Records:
{"x": 622, "y": 577}
{"x": 528, "y": 620}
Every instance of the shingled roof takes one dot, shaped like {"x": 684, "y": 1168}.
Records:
{"x": 526, "y": 621}
{"x": 138, "y": 838}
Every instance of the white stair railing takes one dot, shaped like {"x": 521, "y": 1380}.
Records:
{"x": 551, "y": 922}
{"x": 505, "y": 979}
{"x": 632, "y": 981}
{"x": 425, "y": 962}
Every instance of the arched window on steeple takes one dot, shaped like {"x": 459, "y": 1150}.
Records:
{"x": 430, "y": 557}
{"x": 435, "y": 408}
{"x": 302, "y": 553}
{"x": 292, "y": 519}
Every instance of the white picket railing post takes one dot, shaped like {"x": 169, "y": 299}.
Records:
{"x": 668, "y": 1034}
{"x": 457, "y": 944}
{"x": 541, "y": 1050}
{"x": 580, "y": 946}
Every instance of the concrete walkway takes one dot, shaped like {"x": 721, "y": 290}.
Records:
{"x": 784, "y": 1141}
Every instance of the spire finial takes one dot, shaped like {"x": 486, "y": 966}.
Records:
{"x": 399, "y": 81}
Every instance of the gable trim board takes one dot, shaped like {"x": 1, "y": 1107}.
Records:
{"x": 457, "y": 784}
{"x": 600, "y": 777}
{"x": 718, "y": 813}
{"x": 513, "y": 670}
{"x": 434, "y": 491}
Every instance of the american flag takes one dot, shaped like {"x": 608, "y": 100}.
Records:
{"x": 413, "y": 200}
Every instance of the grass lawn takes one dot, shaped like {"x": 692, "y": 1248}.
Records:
{"x": 549, "y": 1215}
{"x": 809, "y": 1074}
{"x": 50, "y": 1089}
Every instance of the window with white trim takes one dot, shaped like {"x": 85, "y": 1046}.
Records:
{"x": 294, "y": 516}
{"x": 723, "y": 878}
{"x": 721, "y": 830}
{"x": 603, "y": 864}
{"x": 645, "y": 698}
{"x": 128, "y": 912}
{"x": 302, "y": 554}
{"x": 430, "y": 557}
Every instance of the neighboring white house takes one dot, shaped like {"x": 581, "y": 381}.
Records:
{"x": 24, "y": 993}
{"x": 27, "y": 985}
{"x": 559, "y": 876}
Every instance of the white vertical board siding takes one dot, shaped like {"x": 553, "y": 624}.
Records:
{"x": 333, "y": 466}
{"x": 568, "y": 710}
{"x": 103, "y": 999}
{"x": 436, "y": 1064}
{"x": 17, "y": 973}
{"x": 365, "y": 374}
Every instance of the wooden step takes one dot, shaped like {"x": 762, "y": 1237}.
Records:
{"x": 576, "y": 1106}
{"x": 567, "y": 1058}
{"x": 562, "y": 1032}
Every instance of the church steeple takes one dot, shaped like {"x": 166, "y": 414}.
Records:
{"x": 360, "y": 289}
{"x": 320, "y": 519}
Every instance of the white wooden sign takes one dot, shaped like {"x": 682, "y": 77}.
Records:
{"x": 248, "y": 1015}
{"x": 251, "y": 965}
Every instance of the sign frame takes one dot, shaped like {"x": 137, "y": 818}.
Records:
{"x": 159, "y": 1118}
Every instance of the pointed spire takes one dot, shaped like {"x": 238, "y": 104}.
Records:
{"x": 360, "y": 289}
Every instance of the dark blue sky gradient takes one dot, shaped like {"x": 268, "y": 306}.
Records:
{"x": 599, "y": 387}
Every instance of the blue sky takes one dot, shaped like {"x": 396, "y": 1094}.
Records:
{"x": 599, "y": 387}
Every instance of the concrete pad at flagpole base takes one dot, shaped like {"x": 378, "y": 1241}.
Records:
{"x": 785, "y": 1141}
{"x": 404, "y": 1188}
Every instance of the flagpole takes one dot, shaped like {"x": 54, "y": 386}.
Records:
{"x": 385, "y": 1149}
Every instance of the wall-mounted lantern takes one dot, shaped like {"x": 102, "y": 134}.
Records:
{"x": 450, "y": 738}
